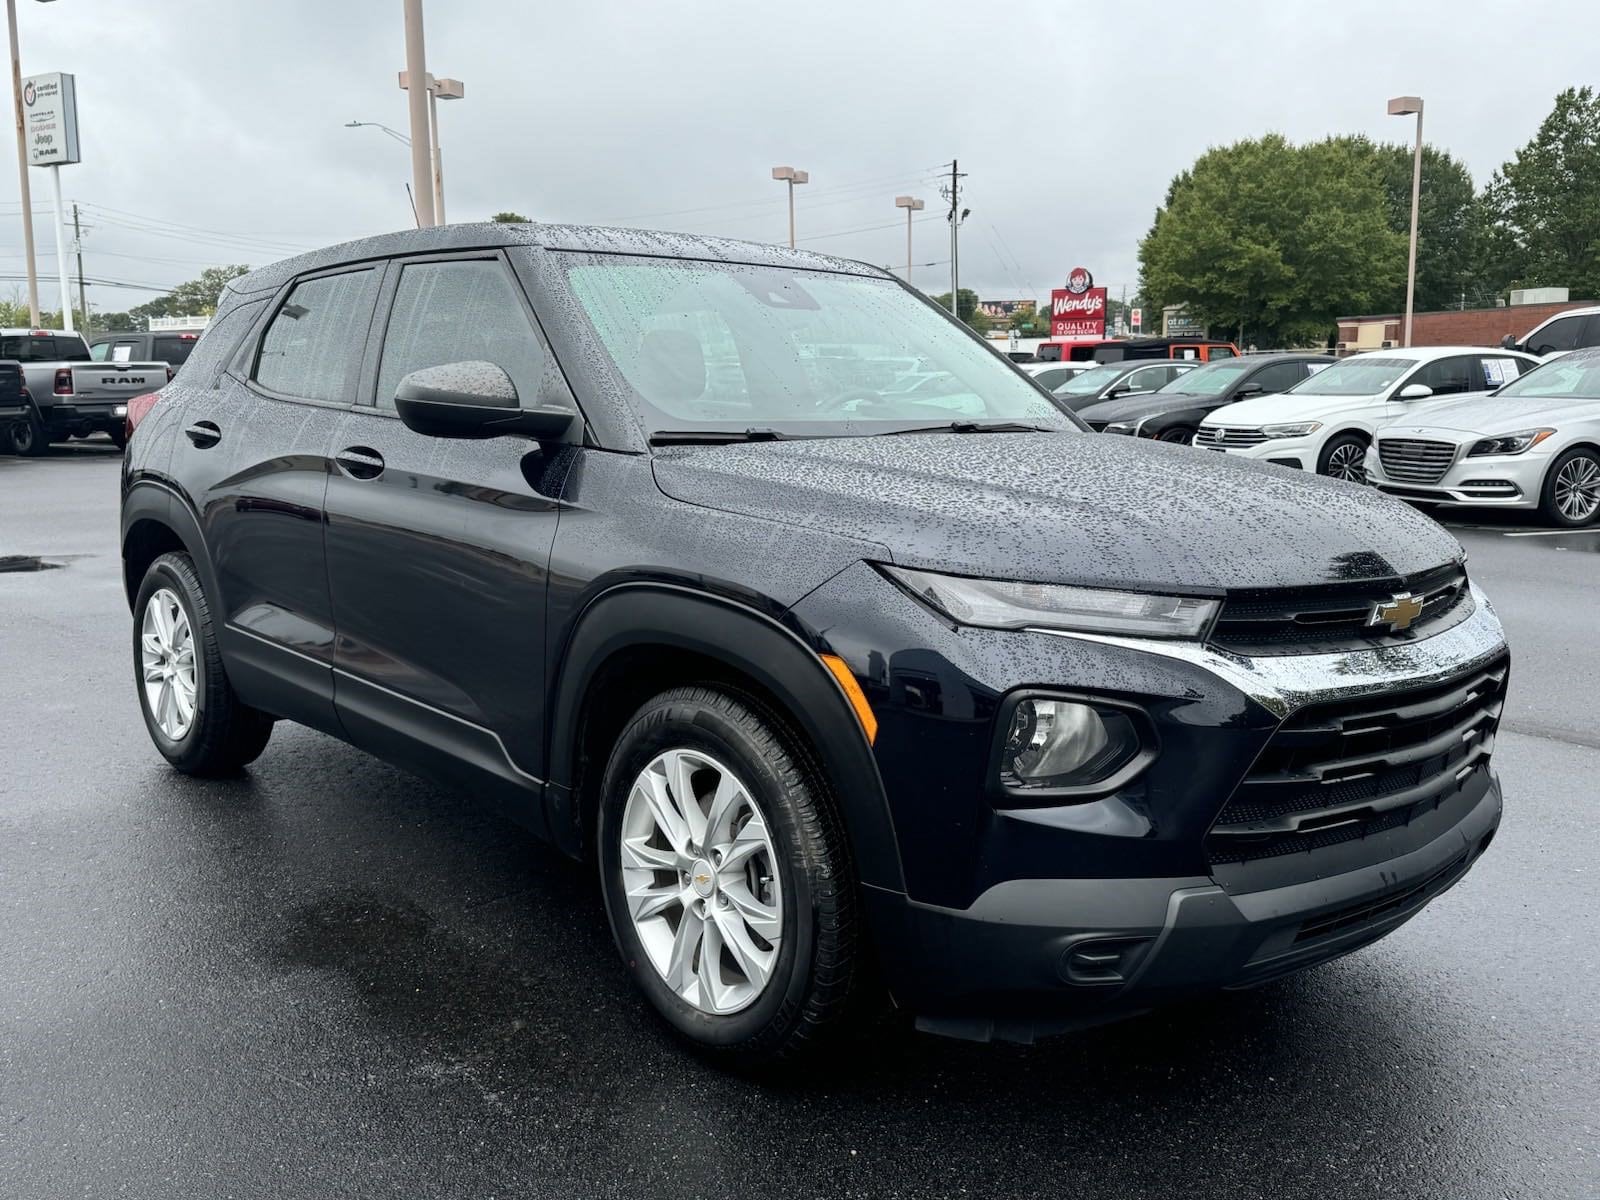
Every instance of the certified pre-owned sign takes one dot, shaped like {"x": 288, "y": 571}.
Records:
{"x": 50, "y": 113}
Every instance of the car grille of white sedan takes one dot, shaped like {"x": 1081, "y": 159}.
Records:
{"x": 1415, "y": 460}
{"x": 1223, "y": 435}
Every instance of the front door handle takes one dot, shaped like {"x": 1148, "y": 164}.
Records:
{"x": 360, "y": 462}
{"x": 203, "y": 434}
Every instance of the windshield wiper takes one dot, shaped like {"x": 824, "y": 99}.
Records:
{"x": 974, "y": 427}
{"x": 714, "y": 437}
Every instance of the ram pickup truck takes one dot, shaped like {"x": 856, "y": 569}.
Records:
{"x": 13, "y": 399}
{"x": 71, "y": 395}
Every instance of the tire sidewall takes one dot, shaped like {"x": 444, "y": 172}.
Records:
{"x": 1547, "y": 500}
{"x": 164, "y": 573}
{"x": 673, "y": 722}
{"x": 1325, "y": 459}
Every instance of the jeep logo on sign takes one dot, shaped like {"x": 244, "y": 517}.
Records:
{"x": 122, "y": 379}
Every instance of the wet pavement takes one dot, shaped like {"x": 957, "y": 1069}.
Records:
{"x": 330, "y": 978}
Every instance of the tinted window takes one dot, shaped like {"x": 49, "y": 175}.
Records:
{"x": 1279, "y": 377}
{"x": 312, "y": 348}
{"x": 1498, "y": 369}
{"x": 28, "y": 348}
{"x": 124, "y": 351}
{"x": 1560, "y": 334}
{"x": 447, "y": 312}
{"x": 1148, "y": 379}
{"x": 1056, "y": 377}
{"x": 1449, "y": 376}
{"x": 1220, "y": 352}
{"x": 172, "y": 350}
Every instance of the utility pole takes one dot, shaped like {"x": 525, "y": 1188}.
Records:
{"x": 957, "y": 215}
{"x": 83, "y": 295}
{"x": 22, "y": 168}
{"x": 421, "y": 127}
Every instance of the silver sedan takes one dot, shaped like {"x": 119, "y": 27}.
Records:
{"x": 1534, "y": 443}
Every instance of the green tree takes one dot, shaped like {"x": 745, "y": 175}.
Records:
{"x": 195, "y": 298}
{"x": 966, "y": 308}
{"x": 1271, "y": 241}
{"x": 1450, "y": 234}
{"x": 1544, "y": 204}
{"x": 511, "y": 218}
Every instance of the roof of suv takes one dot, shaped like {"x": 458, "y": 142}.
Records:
{"x": 1428, "y": 353}
{"x": 594, "y": 238}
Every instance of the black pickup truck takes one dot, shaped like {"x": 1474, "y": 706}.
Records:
{"x": 13, "y": 399}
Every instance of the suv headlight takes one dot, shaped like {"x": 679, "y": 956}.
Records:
{"x": 1005, "y": 604}
{"x": 1298, "y": 429}
{"x": 1509, "y": 443}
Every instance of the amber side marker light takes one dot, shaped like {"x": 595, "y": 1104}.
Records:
{"x": 852, "y": 690}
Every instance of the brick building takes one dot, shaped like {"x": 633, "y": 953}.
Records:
{"x": 1452, "y": 327}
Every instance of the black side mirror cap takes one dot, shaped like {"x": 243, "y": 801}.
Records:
{"x": 1249, "y": 389}
{"x": 472, "y": 400}
{"x": 1509, "y": 342}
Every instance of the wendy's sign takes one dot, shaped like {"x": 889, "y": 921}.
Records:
{"x": 1078, "y": 311}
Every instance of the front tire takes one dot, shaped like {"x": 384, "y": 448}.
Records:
{"x": 1344, "y": 457}
{"x": 189, "y": 707}
{"x": 1179, "y": 434}
{"x": 727, "y": 878}
{"x": 1571, "y": 495}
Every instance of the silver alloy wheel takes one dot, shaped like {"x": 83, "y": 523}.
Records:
{"x": 1346, "y": 462}
{"x": 700, "y": 876}
{"x": 1578, "y": 489}
{"x": 166, "y": 660}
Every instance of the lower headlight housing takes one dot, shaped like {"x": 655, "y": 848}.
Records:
{"x": 1060, "y": 748}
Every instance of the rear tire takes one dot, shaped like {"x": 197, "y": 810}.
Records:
{"x": 768, "y": 886}
{"x": 28, "y": 438}
{"x": 119, "y": 438}
{"x": 1571, "y": 495}
{"x": 1181, "y": 435}
{"x": 189, "y": 707}
{"x": 1344, "y": 457}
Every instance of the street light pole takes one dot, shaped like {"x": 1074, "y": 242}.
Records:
{"x": 417, "y": 103}
{"x": 912, "y": 205}
{"x": 22, "y": 167}
{"x": 1404, "y": 106}
{"x": 791, "y": 176}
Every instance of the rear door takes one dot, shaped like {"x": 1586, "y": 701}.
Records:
{"x": 438, "y": 547}
{"x": 255, "y": 453}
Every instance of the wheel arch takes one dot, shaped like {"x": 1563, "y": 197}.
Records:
{"x": 155, "y": 522}
{"x": 639, "y": 639}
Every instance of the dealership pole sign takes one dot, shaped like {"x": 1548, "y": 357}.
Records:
{"x": 1078, "y": 311}
{"x": 50, "y": 113}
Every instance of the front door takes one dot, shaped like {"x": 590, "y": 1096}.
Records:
{"x": 438, "y": 547}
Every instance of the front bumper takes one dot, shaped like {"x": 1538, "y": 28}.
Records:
{"x": 1497, "y": 481}
{"x": 1043, "y": 956}
{"x": 1300, "y": 453}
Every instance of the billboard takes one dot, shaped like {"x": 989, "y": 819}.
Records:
{"x": 1003, "y": 310}
{"x": 1078, "y": 311}
{"x": 50, "y": 117}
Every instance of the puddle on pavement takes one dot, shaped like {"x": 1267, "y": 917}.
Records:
{"x": 26, "y": 562}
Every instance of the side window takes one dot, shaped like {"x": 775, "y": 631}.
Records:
{"x": 1498, "y": 370}
{"x": 1560, "y": 334}
{"x": 1449, "y": 376}
{"x": 99, "y": 350}
{"x": 465, "y": 311}
{"x": 171, "y": 350}
{"x": 1148, "y": 379}
{"x": 1279, "y": 377}
{"x": 1219, "y": 352}
{"x": 312, "y": 347}
{"x": 124, "y": 351}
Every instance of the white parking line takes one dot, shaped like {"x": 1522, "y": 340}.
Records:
{"x": 1548, "y": 532}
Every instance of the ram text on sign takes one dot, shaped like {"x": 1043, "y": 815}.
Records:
{"x": 50, "y": 119}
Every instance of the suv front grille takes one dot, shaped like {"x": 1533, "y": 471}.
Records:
{"x": 1348, "y": 769}
{"x": 1415, "y": 460}
{"x": 1309, "y": 620}
{"x": 1222, "y": 435}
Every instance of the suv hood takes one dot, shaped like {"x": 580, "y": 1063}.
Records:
{"x": 1066, "y": 508}
{"x": 1134, "y": 408}
{"x": 1485, "y": 414}
{"x": 1284, "y": 407}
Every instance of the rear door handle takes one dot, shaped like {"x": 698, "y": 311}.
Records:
{"x": 203, "y": 434}
{"x": 360, "y": 462}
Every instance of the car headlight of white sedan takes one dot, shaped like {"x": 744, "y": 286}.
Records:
{"x": 1297, "y": 429}
{"x": 1509, "y": 443}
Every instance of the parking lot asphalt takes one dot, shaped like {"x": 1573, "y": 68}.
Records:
{"x": 328, "y": 977}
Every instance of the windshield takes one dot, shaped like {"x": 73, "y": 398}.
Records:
{"x": 1211, "y": 380}
{"x": 1562, "y": 379}
{"x": 730, "y": 346}
{"x": 1087, "y": 383}
{"x": 1361, "y": 376}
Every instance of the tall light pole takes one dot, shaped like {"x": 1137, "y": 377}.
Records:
{"x": 417, "y": 104}
{"x": 1404, "y": 106}
{"x": 438, "y": 89}
{"x": 22, "y": 167}
{"x": 912, "y": 205}
{"x": 791, "y": 176}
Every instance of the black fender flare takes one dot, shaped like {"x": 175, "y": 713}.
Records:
{"x": 636, "y": 614}
{"x": 152, "y": 500}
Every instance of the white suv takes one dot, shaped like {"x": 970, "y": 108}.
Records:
{"x": 1575, "y": 329}
{"x": 1325, "y": 424}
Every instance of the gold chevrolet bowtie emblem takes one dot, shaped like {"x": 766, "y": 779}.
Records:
{"x": 1397, "y": 612}
{"x": 702, "y": 880}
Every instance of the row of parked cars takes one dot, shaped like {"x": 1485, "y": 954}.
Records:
{"x": 55, "y": 385}
{"x": 1448, "y": 425}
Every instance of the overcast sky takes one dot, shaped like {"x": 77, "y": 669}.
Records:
{"x": 214, "y": 132}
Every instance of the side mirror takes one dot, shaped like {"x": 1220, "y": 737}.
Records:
{"x": 1414, "y": 391}
{"x": 1509, "y": 342}
{"x": 472, "y": 400}
{"x": 1248, "y": 389}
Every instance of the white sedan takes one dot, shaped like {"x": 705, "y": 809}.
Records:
{"x": 1325, "y": 424}
{"x": 1535, "y": 443}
